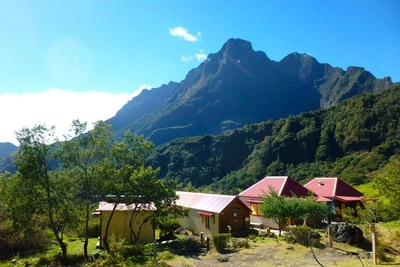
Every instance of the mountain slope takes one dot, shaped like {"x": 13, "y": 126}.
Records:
{"x": 351, "y": 140}
{"x": 238, "y": 86}
{"x": 6, "y": 149}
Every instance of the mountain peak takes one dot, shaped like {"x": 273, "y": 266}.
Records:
{"x": 235, "y": 48}
{"x": 238, "y": 86}
{"x": 234, "y": 44}
{"x": 299, "y": 58}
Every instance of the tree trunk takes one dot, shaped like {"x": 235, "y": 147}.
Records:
{"x": 53, "y": 225}
{"x": 105, "y": 237}
{"x": 86, "y": 242}
{"x": 60, "y": 241}
{"x": 280, "y": 227}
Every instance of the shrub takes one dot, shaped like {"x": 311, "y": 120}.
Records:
{"x": 165, "y": 255}
{"x": 116, "y": 248}
{"x": 137, "y": 250}
{"x": 70, "y": 260}
{"x": 93, "y": 229}
{"x": 13, "y": 240}
{"x": 299, "y": 234}
{"x": 240, "y": 243}
{"x": 168, "y": 225}
{"x": 349, "y": 215}
{"x": 221, "y": 241}
{"x": 186, "y": 245}
{"x": 43, "y": 261}
{"x": 252, "y": 237}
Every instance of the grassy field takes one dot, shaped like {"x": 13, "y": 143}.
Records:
{"x": 261, "y": 252}
{"x": 75, "y": 247}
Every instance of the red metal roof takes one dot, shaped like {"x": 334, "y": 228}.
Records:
{"x": 205, "y": 213}
{"x": 283, "y": 185}
{"x": 332, "y": 187}
{"x": 346, "y": 198}
{"x": 205, "y": 202}
{"x": 322, "y": 199}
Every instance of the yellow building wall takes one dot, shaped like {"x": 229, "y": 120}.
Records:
{"x": 119, "y": 227}
{"x": 196, "y": 223}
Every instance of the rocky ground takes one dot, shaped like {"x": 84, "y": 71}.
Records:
{"x": 273, "y": 253}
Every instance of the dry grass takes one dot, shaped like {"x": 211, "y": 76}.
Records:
{"x": 269, "y": 252}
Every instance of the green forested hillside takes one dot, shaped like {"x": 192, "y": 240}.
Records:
{"x": 352, "y": 140}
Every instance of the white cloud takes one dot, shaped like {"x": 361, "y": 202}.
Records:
{"x": 181, "y": 32}
{"x": 187, "y": 59}
{"x": 201, "y": 56}
{"x": 56, "y": 107}
{"x": 140, "y": 89}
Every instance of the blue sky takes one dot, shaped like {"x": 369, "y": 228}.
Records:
{"x": 64, "y": 60}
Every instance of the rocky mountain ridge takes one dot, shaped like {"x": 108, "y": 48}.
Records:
{"x": 238, "y": 86}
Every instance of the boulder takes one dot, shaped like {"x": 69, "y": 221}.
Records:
{"x": 346, "y": 233}
{"x": 167, "y": 237}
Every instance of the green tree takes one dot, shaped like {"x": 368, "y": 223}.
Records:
{"x": 349, "y": 215}
{"x": 125, "y": 158}
{"x": 310, "y": 208}
{"x": 139, "y": 185}
{"x": 84, "y": 155}
{"x": 279, "y": 208}
{"x": 35, "y": 160}
{"x": 21, "y": 229}
{"x": 388, "y": 183}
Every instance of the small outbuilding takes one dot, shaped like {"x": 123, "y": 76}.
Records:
{"x": 129, "y": 221}
{"x": 213, "y": 214}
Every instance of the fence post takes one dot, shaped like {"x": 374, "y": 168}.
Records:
{"x": 330, "y": 233}
{"x": 373, "y": 240}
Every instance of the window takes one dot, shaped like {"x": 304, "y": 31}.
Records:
{"x": 205, "y": 218}
{"x": 255, "y": 209}
{"x": 207, "y": 222}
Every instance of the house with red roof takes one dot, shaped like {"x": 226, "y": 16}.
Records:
{"x": 338, "y": 194}
{"x": 213, "y": 214}
{"x": 253, "y": 196}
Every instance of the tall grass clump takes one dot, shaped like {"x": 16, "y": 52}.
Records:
{"x": 220, "y": 241}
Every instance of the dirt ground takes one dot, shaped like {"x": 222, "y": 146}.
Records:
{"x": 272, "y": 253}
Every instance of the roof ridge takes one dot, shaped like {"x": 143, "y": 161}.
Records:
{"x": 204, "y": 194}
{"x": 283, "y": 185}
{"x": 335, "y": 186}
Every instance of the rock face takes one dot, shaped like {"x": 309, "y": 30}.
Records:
{"x": 238, "y": 86}
{"x": 346, "y": 233}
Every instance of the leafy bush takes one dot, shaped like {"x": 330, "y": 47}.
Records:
{"x": 349, "y": 215}
{"x": 43, "y": 261}
{"x": 115, "y": 254}
{"x": 94, "y": 228}
{"x": 165, "y": 255}
{"x": 240, "y": 243}
{"x": 168, "y": 226}
{"x": 14, "y": 240}
{"x": 70, "y": 260}
{"x": 299, "y": 234}
{"x": 221, "y": 241}
{"x": 186, "y": 245}
{"x": 136, "y": 250}
{"x": 252, "y": 237}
